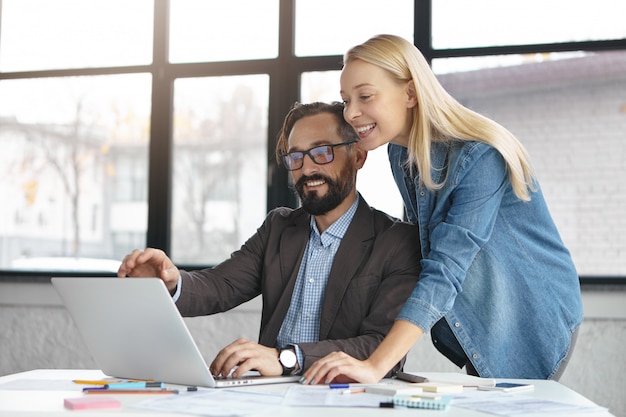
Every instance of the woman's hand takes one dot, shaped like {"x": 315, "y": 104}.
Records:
{"x": 341, "y": 367}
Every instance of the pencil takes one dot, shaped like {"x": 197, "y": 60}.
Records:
{"x": 89, "y": 382}
{"x": 106, "y": 381}
{"x": 353, "y": 391}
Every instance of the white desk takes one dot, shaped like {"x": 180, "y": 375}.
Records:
{"x": 35, "y": 403}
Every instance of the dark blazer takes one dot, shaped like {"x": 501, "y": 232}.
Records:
{"x": 375, "y": 269}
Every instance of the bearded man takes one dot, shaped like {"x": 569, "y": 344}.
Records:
{"x": 333, "y": 274}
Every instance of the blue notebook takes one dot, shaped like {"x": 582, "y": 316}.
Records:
{"x": 415, "y": 401}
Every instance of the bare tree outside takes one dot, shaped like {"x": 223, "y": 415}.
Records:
{"x": 210, "y": 153}
{"x": 62, "y": 170}
{"x": 66, "y": 151}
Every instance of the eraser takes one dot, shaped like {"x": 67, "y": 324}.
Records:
{"x": 83, "y": 403}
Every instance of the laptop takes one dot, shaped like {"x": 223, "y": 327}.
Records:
{"x": 133, "y": 330}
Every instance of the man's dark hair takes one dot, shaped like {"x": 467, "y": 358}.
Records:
{"x": 299, "y": 110}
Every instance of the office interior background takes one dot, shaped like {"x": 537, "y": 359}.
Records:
{"x": 153, "y": 123}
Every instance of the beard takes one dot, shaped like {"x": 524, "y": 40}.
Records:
{"x": 338, "y": 190}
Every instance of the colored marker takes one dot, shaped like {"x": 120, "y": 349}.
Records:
{"x": 129, "y": 391}
{"x": 134, "y": 385}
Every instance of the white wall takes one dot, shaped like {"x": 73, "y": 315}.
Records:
{"x": 37, "y": 332}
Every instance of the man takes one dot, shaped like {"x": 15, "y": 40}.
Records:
{"x": 333, "y": 274}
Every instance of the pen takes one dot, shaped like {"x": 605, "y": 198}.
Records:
{"x": 131, "y": 385}
{"x": 344, "y": 385}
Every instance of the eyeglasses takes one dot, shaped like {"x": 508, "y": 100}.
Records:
{"x": 321, "y": 155}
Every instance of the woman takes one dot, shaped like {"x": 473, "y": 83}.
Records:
{"x": 498, "y": 289}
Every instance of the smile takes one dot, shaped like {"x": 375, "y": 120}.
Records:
{"x": 315, "y": 183}
{"x": 363, "y": 129}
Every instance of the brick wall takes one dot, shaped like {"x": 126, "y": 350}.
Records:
{"x": 571, "y": 117}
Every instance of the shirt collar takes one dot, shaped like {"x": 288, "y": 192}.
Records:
{"x": 339, "y": 227}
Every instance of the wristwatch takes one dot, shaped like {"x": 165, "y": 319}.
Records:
{"x": 288, "y": 360}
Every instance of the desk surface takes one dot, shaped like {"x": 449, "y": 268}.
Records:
{"x": 37, "y": 401}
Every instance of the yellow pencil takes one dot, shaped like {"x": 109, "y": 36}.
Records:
{"x": 89, "y": 382}
{"x": 105, "y": 381}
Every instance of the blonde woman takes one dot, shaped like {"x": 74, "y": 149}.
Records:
{"x": 498, "y": 290}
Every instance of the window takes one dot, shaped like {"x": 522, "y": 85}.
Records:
{"x": 476, "y": 23}
{"x": 73, "y": 148}
{"x": 153, "y": 122}
{"x": 41, "y": 34}
{"x": 220, "y": 154}
{"x": 230, "y": 30}
{"x": 330, "y": 27}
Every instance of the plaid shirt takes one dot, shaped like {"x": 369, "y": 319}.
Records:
{"x": 302, "y": 322}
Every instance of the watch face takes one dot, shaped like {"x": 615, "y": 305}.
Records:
{"x": 287, "y": 358}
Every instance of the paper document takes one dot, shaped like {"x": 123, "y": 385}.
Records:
{"x": 310, "y": 396}
{"x": 41, "y": 385}
{"x": 517, "y": 405}
{"x": 216, "y": 403}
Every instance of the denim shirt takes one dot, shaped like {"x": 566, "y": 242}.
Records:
{"x": 493, "y": 265}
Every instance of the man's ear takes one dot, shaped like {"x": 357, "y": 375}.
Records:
{"x": 411, "y": 93}
{"x": 361, "y": 156}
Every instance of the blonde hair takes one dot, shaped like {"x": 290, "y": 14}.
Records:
{"x": 438, "y": 116}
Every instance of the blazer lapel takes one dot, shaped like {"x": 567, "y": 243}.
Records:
{"x": 291, "y": 251}
{"x": 351, "y": 255}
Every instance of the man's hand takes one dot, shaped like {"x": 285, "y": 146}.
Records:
{"x": 246, "y": 355}
{"x": 150, "y": 263}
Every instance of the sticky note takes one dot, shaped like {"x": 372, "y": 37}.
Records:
{"x": 439, "y": 387}
{"x": 83, "y": 403}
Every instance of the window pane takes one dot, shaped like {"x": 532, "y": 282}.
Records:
{"x": 231, "y": 30}
{"x": 331, "y": 27}
{"x": 374, "y": 180}
{"x": 220, "y": 178}
{"x": 570, "y": 114}
{"x": 73, "y": 171}
{"x": 446, "y": 65}
{"x": 462, "y": 23}
{"x": 44, "y": 34}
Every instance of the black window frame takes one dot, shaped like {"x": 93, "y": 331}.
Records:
{"x": 284, "y": 74}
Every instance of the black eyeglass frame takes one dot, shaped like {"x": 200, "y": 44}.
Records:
{"x": 290, "y": 167}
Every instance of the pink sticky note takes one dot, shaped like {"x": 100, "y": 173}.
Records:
{"x": 82, "y": 403}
